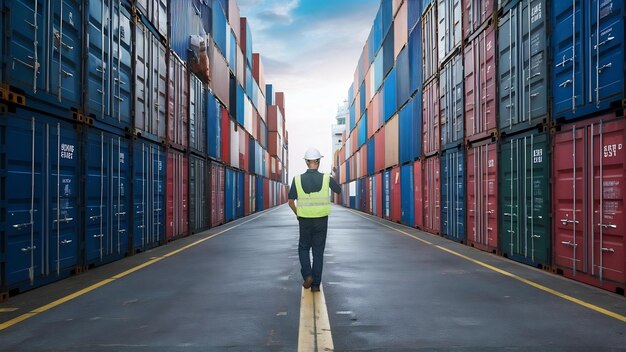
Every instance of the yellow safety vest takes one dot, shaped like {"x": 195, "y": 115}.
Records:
{"x": 316, "y": 204}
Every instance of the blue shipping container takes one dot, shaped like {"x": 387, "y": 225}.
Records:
{"x": 220, "y": 33}
{"x": 415, "y": 60}
{"x": 453, "y": 194}
{"x": 107, "y": 197}
{"x": 390, "y": 95}
{"x": 41, "y": 172}
{"x": 403, "y": 77}
{"x": 108, "y": 91}
{"x": 230, "y": 195}
{"x": 388, "y": 53}
{"x": 414, "y": 8}
{"x": 371, "y": 156}
{"x": 410, "y": 130}
{"x": 148, "y": 194}
{"x": 407, "y": 197}
{"x": 43, "y": 53}
{"x": 214, "y": 126}
{"x": 588, "y": 56}
{"x": 239, "y": 206}
{"x": 186, "y": 22}
{"x": 259, "y": 194}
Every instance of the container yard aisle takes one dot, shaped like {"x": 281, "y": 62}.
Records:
{"x": 386, "y": 287}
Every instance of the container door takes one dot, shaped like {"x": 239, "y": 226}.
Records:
{"x": 387, "y": 194}
{"x": 482, "y": 195}
{"x": 431, "y": 194}
{"x": 417, "y": 193}
{"x": 149, "y": 195}
{"x": 396, "y": 195}
{"x": 379, "y": 195}
{"x": 407, "y": 196}
{"x": 453, "y": 195}
{"x": 42, "y": 209}
{"x": 107, "y": 196}
{"x": 480, "y": 84}
{"x": 451, "y": 101}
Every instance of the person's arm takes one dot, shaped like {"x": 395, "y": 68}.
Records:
{"x": 292, "y": 205}
{"x": 334, "y": 186}
{"x": 293, "y": 195}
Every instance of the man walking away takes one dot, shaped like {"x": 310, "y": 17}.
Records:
{"x": 309, "y": 199}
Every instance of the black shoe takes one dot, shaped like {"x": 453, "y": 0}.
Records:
{"x": 315, "y": 288}
{"x": 308, "y": 281}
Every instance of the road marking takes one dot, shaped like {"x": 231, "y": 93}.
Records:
{"x": 8, "y": 310}
{"x": 97, "y": 285}
{"x": 314, "y": 332}
{"x": 506, "y": 273}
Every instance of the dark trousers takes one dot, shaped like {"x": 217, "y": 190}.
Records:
{"x": 312, "y": 236}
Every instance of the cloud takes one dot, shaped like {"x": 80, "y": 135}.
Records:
{"x": 280, "y": 12}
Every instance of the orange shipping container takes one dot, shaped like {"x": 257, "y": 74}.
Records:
{"x": 274, "y": 144}
{"x": 400, "y": 30}
{"x": 258, "y": 71}
{"x": 391, "y": 142}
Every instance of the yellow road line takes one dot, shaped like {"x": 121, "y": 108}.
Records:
{"x": 8, "y": 310}
{"x": 97, "y": 285}
{"x": 511, "y": 275}
{"x": 306, "y": 331}
{"x": 314, "y": 332}
{"x": 322, "y": 323}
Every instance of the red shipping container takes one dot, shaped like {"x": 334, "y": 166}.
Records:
{"x": 176, "y": 189}
{"x": 417, "y": 191}
{"x": 480, "y": 86}
{"x": 257, "y": 71}
{"x": 379, "y": 142}
{"x": 217, "y": 194}
{"x": 430, "y": 116}
{"x": 266, "y": 193}
{"x": 243, "y": 150}
{"x": 177, "y": 103}
{"x": 482, "y": 197}
{"x": 431, "y": 195}
{"x": 475, "y": 13}
{"x": 280, "y": 102}
{"x": 363, "y": 171}
{"x": 396, "y": 194}
{"x": 225, "y": 131}
{"x": 589, "y": 173}
{"x": 274, "y": 143}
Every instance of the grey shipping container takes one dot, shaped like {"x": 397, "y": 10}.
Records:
{"x": 429, "y": 43}
{"x": 199, "y": 215}
{"x": 522, "y": 67}
{"x": 453, "y": 194}
{"x": 197, "y": 115}
{"x": 451, "y": 102}
{"x": 525, "y": 233}
{"x": 449, "y": 27}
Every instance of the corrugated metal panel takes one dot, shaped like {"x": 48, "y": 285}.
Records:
{"x": 199, "y": 215}
{"x": 108, "y": 88}
{"x": 480, "y": 86}
{"x": 225, "y": 135}
{"x": 378, "y": 194}
{"x": 177, "y": 104}
{"x": 371, "y": 156}
{"x": 429, "y": 43}
{"x": 386, "y": 194}
{"x": 156, "y": 13}
{"x": 588, "y": 50}
{"x": 449, "y": 31}
{"x": 379, "y": 138}
{"x": 390, "y": 95}
{"x": 588, "y": 168}
{"x": 482, "y": 197}
{"x": 431, "y": 194}
{"x": 186, "y": 21}
{"x": 214, "y": 126}
{"x": 386, "y": 8}
{"x": 415, "y": 59}
{"x": 47, "y": 69}
{"x": 403, "y": 80}
{"x": 410, "y": 128}
{"x": 391, "y": 142}
{"x": 401, "y": 30}
{"x": 219, "y": 31}
{"x": 475, "y": 13}
{"x": 176, "y": 196}
{"x": 430, "y": 116}
{"x": 220, "y": 79}
{"x": 414, "y": 9}
{"x": 107, "y": 196}
{"x": 40, "y": 154}
{"x": 388, "y": 53}
{"x": 234, "y": 145}
{"x": 149, "y": 172}
{"x": 453, "y": 194}
{"x": 523, "y": 80}
{"x": 150, "y": 85}
{"x": 417, "y": 194}
{"x": 451, "y": 104}
{"x": 524, "y": 173}
{"x": 408, "y": 195}
{"x": 217, "y": 176}
{"x": 198, "y": 116}
{"x": 230, "y": 195}
{"x": 396, "y": 195}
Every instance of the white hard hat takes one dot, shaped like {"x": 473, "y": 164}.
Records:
{"x": 312, "y": 154}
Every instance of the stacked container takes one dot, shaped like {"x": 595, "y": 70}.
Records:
{"x": 135, "y": 123}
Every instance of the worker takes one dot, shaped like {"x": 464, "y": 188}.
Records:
{"x": 309, "y": 198}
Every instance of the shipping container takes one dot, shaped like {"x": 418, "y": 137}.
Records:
{"x": 176, "y": 196}
{"x": 429, "y": 43}
{"x": 415, "y": 59}
{"x": 522, "y": 66}
{"x": 395, "y": 198}
{"x": 480, "y": 85}
{"x": 430, "y": 118}
{"x": 239, "y": 205}
{"x": 217, "y": 193}
{"x": 407, "y": 195}
{"x": 40, "y": 196}
{"x": 108, "y": 82}
{"x": 107, "y": 197}
{"x": 391, "y": 142}
{"x": 154, "y": 14}
{"x": 453, "y": 194}
{"x": 482, "y": 196}
{"x": 475, "y": 14}
{"x": 524, "y": 196}
{"x": 42, "y": 43}
{"x": 259, "y": 194}
{"x": 198, "y": 116}
{"x": 588, "y": 168}
{"x": 379, "y": 141}
{"x": 225, "y": 135}
{"x": 199, "y": 212}
{"x": 417, "y": 193}
{"x": 378, "y": 194}
{"x": 220, "y": 77}
{"x": 186, "y": 30}
{"x": 149, "y": 172}
{"x": 451, "y": 104}
{"x": 431, "y": 196}
{"x": 386, "y": 194}
{"x": 449, "y": 28}
{"x": 371, "y": 156}
{"x": 410, "y": 130}
{"x": 150, "y": 78}
{"x": 177, "y": 104}
{"x": 414, "y": 9}
{"x": 230, "y": 195}
{"x": 587, "y": 46}
{"x": 401, "y": 30}
{"x": 213, "y": 126}
{"x": 390, "y": 100}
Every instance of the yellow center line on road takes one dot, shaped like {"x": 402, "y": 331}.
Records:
{"x": 314, "y": 332}
{"x": 97, "y": 285}
{"x": 8, "y": 310}
{"x": 506, "y": 273}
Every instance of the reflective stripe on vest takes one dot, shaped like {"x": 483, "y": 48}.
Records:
{"x": 315, "y": 204}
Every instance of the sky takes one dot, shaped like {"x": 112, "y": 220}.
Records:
{"x": 309, "y": 50}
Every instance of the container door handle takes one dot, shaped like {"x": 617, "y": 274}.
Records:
{"x": 612, "y": 226}
{"x": 601, "y": 68}
{"x": 564, "y": 84}
{"x": 98, "y": 236}
{"x": 569, "y": 243}
{"x": 95, "y": 217}
{"x": 604, "y": 249}
{"x": 566, "y": 221}
{"x": 29, "y": 248}
{"x": 562, "y": 63}
{"x": 535, "y": 236}
{"x": 604, "y": 42}
{"x": 66, "y": 241}
{"x": 19, "y": 226}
